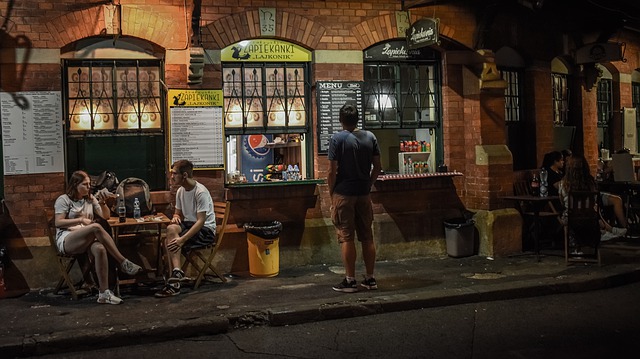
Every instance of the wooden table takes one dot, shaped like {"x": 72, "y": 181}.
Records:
{"x": 158, "y": 220}
{"x": 536, "y": 205}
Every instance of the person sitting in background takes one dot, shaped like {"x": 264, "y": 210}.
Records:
{"x": 553, "y": 162}
{"x": 610, "y": 200}
{"x": 578, "y": 178}
{"x": 77, "y": 232}
{"x": 566, "y": 154}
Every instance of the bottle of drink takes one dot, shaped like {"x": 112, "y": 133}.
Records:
{"x": 136, "y": 208}
{"x": 535, "y": 185}
{"x": 122, "y": 210}
{"x": 296, "y": 173}
{"x": 544, "y": 191}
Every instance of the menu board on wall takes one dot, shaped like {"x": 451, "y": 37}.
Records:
{"x": 332, "y": 95}
{"x": 32, "y": 139}
{"x": 197, "y": 129}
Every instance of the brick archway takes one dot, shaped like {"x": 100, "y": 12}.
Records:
{"x": 384, "y": 27}
{"x": 246, "y": 25}
{"x": 136, "y": 22}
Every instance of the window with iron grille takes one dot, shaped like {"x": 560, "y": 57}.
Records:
{"x": 114, "y": 118}
{"x": 560, "y": 99}
{"x": 266, "y": 98}
{"x": 113, "y": 95}
{"x": 512, "y": 98}
{"x": 604, "y": 105}
{"x": 401, "y": 95}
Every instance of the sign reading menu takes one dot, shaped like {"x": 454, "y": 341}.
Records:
{"x": 32, "y": 139}
{"x": 197, "y": 129}
{"x": 332, "y": 95}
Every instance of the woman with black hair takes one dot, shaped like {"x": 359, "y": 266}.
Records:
{"x": 553, "y": 163}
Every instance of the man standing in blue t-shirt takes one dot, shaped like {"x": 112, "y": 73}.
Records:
{"x": 354, "y": 165}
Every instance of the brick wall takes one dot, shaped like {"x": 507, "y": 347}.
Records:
{"x": 469, "y": 118}
{"x": 540, "y": 109}
{"x": 27, "y": 195}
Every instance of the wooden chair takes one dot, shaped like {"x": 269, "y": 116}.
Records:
{"x": 549, "y": 213}
{"x": 65, "y": 262}
{"x": 202, "y": 258}
{"x": 583, "y": 226}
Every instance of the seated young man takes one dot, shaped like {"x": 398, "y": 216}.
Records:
{"x": 193, "y": 224}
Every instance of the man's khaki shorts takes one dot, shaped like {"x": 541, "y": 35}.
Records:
{"x": 352, "y": 214}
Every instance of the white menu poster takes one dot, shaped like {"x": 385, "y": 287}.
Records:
{"x": 197, "y": 135}
{"x": 32, "y": 138}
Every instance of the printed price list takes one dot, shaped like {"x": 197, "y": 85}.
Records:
{"x": 197, "y": 135}
{"x": 332, "y": 95}
{"x": 32, "y": 137}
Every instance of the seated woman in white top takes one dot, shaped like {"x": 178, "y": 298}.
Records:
{"x": 78, "y": 233}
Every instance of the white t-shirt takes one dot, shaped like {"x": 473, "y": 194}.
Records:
{"x": 196, "y": 200}
{"x": 73, "y": 209}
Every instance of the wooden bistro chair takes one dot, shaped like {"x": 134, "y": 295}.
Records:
{"x": 65, "y": 262}
{"x": 583, "y": 225}
{"x": 202, "y": 258}
{"x": 547, "y": 215}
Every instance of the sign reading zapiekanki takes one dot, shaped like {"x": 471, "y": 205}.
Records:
{"x": 332, "y": 95}
{"x": 422, "y": 33}
{"x": 197, "y": 129}
{"x": 265, "y": 50}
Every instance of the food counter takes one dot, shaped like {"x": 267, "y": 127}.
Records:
{"x": 284, "y": 201}
{"x": 418, "y": 204}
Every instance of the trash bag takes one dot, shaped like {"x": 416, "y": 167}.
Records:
{"x": 457, "y": 223}
{"x": 266, "y": 230}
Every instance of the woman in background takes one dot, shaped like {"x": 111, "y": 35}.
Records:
{"x": 578, "y": 178}
{"x": 553, "y": 162}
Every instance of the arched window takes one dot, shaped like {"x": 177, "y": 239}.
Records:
{"x": 604, "y": 105}
{"x": 114, "y": 102}
{"x": 635, "y": 99}
{"x": 559, "y": 82}
{"x": 519, "y": 140}
{"x": 511, "y": 65}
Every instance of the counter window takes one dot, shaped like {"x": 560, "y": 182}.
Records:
{"x": 266, "y": 110}
{"x": 402, "y": 106}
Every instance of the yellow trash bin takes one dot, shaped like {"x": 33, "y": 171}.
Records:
{"x": 263, "y": 249}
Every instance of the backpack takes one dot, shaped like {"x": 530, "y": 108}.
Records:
{"x": 106, "y": 179}
{"x": 131, "y": 188}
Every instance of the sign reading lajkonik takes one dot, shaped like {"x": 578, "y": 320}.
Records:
{"x": 265, "y": 50}
{"x": 423, "y": 33}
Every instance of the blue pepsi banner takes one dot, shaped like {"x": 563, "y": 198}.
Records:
{"x": 255, "y": 156}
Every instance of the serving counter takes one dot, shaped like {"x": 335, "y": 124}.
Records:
{"x": 418, "y": 204}
{"x": 284, "y": 201}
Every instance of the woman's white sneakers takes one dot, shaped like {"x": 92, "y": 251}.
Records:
{"x": 130, "y": 268}
{"x": 107, "y": 297}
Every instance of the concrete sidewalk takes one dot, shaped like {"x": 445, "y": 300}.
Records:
{"x": 40, "y": 323}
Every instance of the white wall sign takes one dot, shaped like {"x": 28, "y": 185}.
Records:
{"x": 32, "y": 137}
{"x": 197, "y": 129}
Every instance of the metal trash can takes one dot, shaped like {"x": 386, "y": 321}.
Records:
{"x": 263, "y": 249}
{"x": 459, "y": 234}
